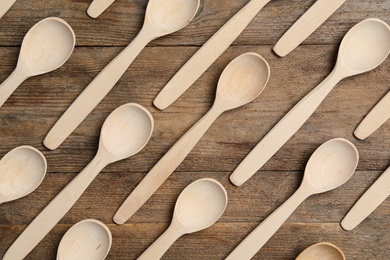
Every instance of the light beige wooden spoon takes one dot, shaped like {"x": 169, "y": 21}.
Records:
{"x": 97, "y": 7}
{"x": 363, "y": 48}
{"x": 330, "y": 166}
{"x": 46, "y": 47}
{"x": 322, "y": 251}
{"x": 198, "y": 207}
{"x": 162, "y": 17}
{"x": 374, "y": 119}
{"x": 370, "y": 200}
{"x": 5, "y": 6}
{"x": 241, "y": 82}
{"x": 89, "y": 239}
{"x": 124, "y": 133}
{"x": 21, "y": 171}
{"x": 209, "y": 52}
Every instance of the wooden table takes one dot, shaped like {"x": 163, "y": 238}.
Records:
{"x": 33, "y": 109}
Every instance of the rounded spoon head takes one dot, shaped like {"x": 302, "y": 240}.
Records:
{"x": 170, "y": 16}
{"x": 46, "y": 46}
{"x": 322, "y": 251}
{"x": 126, "y": 131}
{"x": 88, "y": 240}
{"x": 365, "y": 46}
{"x": 331, "y": 165}
{"x": 21, "y": 171}
{"x": 200, "y": 204}
{"x": 243, "y": 80}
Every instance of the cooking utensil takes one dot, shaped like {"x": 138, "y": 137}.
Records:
{"x": 316, "y": 15}
{"x": 5, "y": 6}
{"x": 198, "y": 207}
{"x": 241, "y": 82}
{"x": 206, "y": 55}
{"x": 322, "y": 251}
{"x": 97, "y": 7}
{"x": 371, "y": 199}
{"x": 21, "y": 171}
{"x": 124, "y": 133}
{"x": 162, "y": 18}
{"x": 46, "y": 47}
{"x": 363, "y": 48}
{"x": 89, "y": 239}
{"x": 330, "y": 166}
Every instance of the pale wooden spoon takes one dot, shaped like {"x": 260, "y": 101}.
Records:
{"x": 97, "y": 7}
{"x": 363, "y": 48}
{"x": 330, "y": 166}
{"x": 241, "y": 82}
{"x": 162, "y": 17}
{"x": 46, "y": 47}
{"x": 198, "y": 207}
{"x": 21, "y": 171}
{"x": 5, "y": 6}
{"x": 89, "y": 239}
{"x": 322, "y": 251}
{"x": 124, "y": 133}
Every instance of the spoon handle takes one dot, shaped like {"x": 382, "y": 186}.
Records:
{"x": 371, "y": 199}
{"x": 5, "y": 6}
{"x": 283, "y": 131}
{"x": 377, "y": 117}
{"x": 11, "y": 84}
{"x": 262, "y": 233}
{"x": 97, "y": 7}
{"x": 54, "y": 211}
{"x": 163, "y": 243}
{"x": 95, "y": 92}
{"x": 207, "y": 54}
{"x": 165, "y": 167}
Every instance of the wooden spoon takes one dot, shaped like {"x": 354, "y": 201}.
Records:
{"x": 322, "y": 251}
{"x": 330, "y": 166}
{"x": 198, "y": 207}
{"x": 124, "y": 133}
{"x": 21, "y": 171}
{"x": 363, "y": 48}
{"x": 46, "y": 47}
{"x": 162, "y": 18}
{"x": 241, "y": 82}
{"x": 97, "y": 7}
{"x": 89, "y": 239}
{"x": 5, "y": 6}
{"x": 209, "y": 53}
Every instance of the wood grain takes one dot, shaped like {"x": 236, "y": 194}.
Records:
{"x": 35, "y": 106}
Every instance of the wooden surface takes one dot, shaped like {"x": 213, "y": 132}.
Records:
{"x": 32, "y": 110}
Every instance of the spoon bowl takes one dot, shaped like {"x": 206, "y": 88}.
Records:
{"x": 365, "y": 46}
{"x": 331, "y": 165}
{"x": 120, "y": 128}
{"x": 47, "y": 46}
{"x": 21, "y": 171}
{"x": 322, "y": 251}
{"x": 88, "y": 240}
{"x": 201, "y": 204}
{"x": 170, "y": 16}
{"x": 243, "y": 80}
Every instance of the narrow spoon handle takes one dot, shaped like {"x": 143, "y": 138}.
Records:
{"x": 94, "y": 93}
{"x": 162, "y": 244}
{"x": 377, "y": 117}
{"x": 97, "y": 7}
{"x": 209, "y": 52}
{"x": 371, "y": 199}
{"x": 11, "y": 84}
{"x": 165, "y": 167}
{"x": 262, "y": 233}
{"x": 283, "y": 131}
{"x": 5, "y": 6}
{"x": 54, "y": 211}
